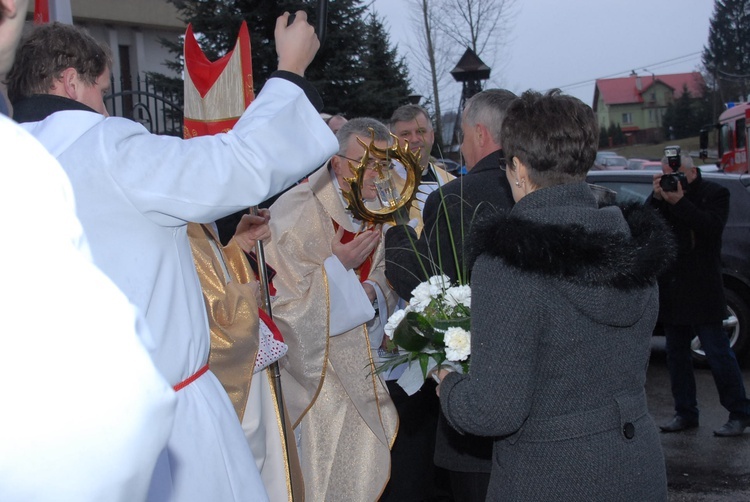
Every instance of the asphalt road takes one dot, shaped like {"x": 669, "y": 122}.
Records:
{"x": 700, "y": 466}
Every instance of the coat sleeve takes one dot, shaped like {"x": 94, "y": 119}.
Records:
{"x": 278, "y": 140}
{"x": 494, "y": 397}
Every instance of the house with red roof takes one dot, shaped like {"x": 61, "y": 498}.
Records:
{"x": 638, "y": 102}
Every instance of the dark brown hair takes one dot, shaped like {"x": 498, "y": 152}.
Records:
{"x": 555, "y": 136}
{"x": 407, "y": 113}
{"x": 50, "y": 49}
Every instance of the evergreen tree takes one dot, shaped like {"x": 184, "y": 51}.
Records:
{"x": 340, "y": 69}
{"x": 603, "y": 137}
{"x": 385, "y": 84}
{"x": 612, "y": 133}
{"x": 685, "y": 116}
{"x": 619, "y": 135}
{"x": 727, "y": 55}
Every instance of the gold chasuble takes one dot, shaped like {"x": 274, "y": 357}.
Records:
{"x": 216, "y": 94}
{"x": 345, "y": 419}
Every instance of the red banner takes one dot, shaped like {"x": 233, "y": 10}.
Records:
{"x": 41, "y": 11}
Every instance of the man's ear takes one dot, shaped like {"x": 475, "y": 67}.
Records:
{"x": 482, "y": 134}
{"x": 335, "y": 163}
{"x": 68, "y": 85}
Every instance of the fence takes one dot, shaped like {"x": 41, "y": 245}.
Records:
{"x": 155, "y": 104}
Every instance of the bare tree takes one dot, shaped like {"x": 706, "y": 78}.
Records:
{"x": 480, "y": 25}
{"x": 446, "y": 29}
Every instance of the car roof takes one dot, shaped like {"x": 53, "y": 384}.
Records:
{"x": 718, "y": 176}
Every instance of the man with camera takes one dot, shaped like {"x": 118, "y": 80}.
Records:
{"x": 691, "y": 292}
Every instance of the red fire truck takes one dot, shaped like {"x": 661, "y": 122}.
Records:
{"x": 733, "y": 135}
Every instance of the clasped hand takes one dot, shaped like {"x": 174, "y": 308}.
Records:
{"x": 353, "y": 253}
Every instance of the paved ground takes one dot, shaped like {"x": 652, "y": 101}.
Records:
{"x": 700, "y": 467}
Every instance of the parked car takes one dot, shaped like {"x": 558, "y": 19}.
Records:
{"x": 635, "y": 164}
{"x": 600, "y": 157}
{"x": 636, "y": 186}
{"x": 651, "y": 165}
{"x": 613, "y": 163}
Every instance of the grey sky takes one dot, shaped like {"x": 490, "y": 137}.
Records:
{"x": 558, "y": 43}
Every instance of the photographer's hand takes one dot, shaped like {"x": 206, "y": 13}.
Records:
{"x": 657, "y": 187}
{"x": 673, "y": 197}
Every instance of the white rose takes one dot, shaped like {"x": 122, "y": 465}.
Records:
{"x": 393, "y": 322}
{"x": 457, "y": 344}
{"x": 458, "y": 295}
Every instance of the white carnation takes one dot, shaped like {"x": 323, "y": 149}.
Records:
{"x": 421, "y": 297}
{"x": 457, "y": 344}
{"x": 458, "y": 295}
{"x": 441, "y": 282}
{"x": 393, "y": 322}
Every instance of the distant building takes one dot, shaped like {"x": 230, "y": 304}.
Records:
{"x": 638, "y": 102}
{"x": 132, "y": 29}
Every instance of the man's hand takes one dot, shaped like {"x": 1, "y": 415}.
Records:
{"x": 669, "y": 197}
{"x": 353, "y": 253}
{"x": 252, "y": 228}
{"x": 657, "y": 187}
{"x": 296, "y": 44}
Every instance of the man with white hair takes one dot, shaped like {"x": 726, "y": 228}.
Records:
{"x": 448, "y": 216}
{"x": 691, "y": 294}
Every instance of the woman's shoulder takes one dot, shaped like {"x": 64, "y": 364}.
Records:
{"x": 576, "y": 253}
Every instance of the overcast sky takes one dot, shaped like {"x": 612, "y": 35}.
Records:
{"x": 560, "y": 43}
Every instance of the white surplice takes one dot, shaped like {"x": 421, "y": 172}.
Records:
{"x": 85, "y": 413}
{"x": 136, "y": 192}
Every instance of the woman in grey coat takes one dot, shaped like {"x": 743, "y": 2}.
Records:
{"x": 564, "y": 300}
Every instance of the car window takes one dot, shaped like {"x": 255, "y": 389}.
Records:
{"x": 628, "y": 191}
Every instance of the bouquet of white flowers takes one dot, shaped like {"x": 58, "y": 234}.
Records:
{"x": 433, "y": 330}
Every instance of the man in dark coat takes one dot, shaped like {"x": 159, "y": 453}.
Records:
{"x": 692, "y": 297}
{"x": 450, "y": 211}
{"x": 448, "y": 215}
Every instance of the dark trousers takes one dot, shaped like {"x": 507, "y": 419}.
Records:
{"x": 414, "y": 476}
{"x": 721, "y": 359}
{"x": 469, "y": 486}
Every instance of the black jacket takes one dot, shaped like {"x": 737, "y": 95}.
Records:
{"x": 483, "y": 190}
{"x": 456, "y": 205}
{"x": 691, "y": 291}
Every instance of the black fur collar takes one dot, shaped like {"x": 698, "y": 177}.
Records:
{"x": 574, "y": 253}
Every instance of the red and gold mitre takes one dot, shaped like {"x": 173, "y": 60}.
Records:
{"x": 216, "y": 93}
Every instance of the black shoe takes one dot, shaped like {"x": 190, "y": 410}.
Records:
{"x": 735, "y": 427}
{"x": 678, "y": 424}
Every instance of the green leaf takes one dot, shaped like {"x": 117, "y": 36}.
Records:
{"x": 444, "y": 324}
{"x": 424, "y": 359}
{"x": 407, "y": 334}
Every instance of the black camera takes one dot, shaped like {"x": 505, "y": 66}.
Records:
{"x": 669, "y": 182}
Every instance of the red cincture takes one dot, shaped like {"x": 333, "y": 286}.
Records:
{"x": 192, "y": 378}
